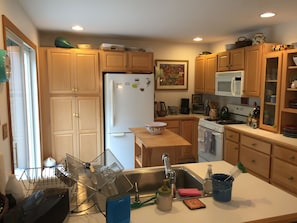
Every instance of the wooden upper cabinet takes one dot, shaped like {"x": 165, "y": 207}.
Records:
{"x": 253, "y": 68}
{"x": 140, "y": 62}
{"x": 231, "y": 60}
{"x": 60, "y": 71}
{"x": 130, "y": 62}
{"x": 209, "y": 75}
{"x": 113, "y": 61}
{"x": 199, "y": 74}
{"x": 73, "y": 71}
{"x": 87, "y": 72}
{"x": 252, "y": 72}
{"x": 205, "y": 69}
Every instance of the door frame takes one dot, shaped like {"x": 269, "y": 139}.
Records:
{"x": 7, "y": 24}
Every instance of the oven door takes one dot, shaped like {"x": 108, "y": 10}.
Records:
{"x": 210, "y": 145}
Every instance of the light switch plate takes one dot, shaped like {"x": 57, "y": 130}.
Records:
{"x": 4, "y": 131}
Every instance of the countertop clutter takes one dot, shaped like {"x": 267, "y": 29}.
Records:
{"x": 253, "y": 200}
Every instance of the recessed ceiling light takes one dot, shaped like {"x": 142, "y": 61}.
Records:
{"x": 197, "y": 39}
{"x": 77, "y": 28}
{"x": 267, "y": 15}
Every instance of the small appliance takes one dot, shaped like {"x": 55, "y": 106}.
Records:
{"x": 184, "y": 108}
{"x": 229, "y": 83}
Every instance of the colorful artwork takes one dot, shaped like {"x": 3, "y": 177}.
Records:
{"x": 171, "y": 75}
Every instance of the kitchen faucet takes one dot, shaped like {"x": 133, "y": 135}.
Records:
{"x": 169, "y": 174}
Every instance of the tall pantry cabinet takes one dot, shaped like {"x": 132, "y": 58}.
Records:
{"x": 70, "y": 103}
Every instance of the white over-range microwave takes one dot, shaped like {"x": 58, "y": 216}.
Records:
{"x": 229, "y": 83}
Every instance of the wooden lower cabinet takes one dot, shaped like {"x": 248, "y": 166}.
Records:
{"x": 255, "y": 156}
{"x": 284, "y": 168}
{"x": 188, "y": 129}
{"x": 75, "y": 127}
{"x": 270, "y": 160}
{"x": 256, "y": 162}
{"x": 231, "y": 147}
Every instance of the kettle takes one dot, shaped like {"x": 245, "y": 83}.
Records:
{"x": 224, "y": 114}
{"x": 162, "y": 111}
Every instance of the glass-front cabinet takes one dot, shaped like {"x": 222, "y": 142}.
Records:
{"x": 270, "y": 92}
{"x": 289, "y": 94}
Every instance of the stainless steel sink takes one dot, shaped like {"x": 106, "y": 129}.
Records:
{"x": 150, "y": 179}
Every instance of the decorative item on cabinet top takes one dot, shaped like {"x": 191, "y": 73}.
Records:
{"x": 243, "y": 41}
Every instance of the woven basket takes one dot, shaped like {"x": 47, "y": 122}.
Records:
{"x": 242, "y": 42}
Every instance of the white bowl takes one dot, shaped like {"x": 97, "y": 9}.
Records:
{"x": 295, "y": 60}
{"x": 156, "y": 128}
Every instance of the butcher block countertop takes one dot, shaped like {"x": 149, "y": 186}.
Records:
{"x": 253, "y": 200}
{"x": 166, "y": 139}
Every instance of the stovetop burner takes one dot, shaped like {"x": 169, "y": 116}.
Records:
{"x": 225, "y": 121}
{"x": 229, "y": 122}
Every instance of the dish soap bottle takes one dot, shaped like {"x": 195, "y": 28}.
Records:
{"x": 164, "y": 198}
{"x": 207, "y": 184}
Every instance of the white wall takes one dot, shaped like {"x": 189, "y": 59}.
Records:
{"x": 13, "y": 11}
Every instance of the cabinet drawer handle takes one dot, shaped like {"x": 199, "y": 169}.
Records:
{"x": 75, "y": 115}
{"x": 253, "y": 161}
{"x": 291, "y": 157}
{"x": 290, "y": 178}
{"x": 254, "y": 144}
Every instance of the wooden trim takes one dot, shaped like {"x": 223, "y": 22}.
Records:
{"x": 7, "y": 24}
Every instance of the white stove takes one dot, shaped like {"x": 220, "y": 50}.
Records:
{"x": 211, "y": 133}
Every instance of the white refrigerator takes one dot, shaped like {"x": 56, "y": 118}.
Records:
{"x": 128, "y": 103}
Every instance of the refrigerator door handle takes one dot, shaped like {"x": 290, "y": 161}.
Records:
{"x": 111, "y": 102}
{"x": 119, "y": 134}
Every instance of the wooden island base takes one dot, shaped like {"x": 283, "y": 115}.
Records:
{"x": 149, "y": 148}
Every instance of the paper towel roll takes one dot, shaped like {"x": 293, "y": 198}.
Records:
{"x": 2, "y": 174}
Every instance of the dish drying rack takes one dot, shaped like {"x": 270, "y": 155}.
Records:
{"x": 89, "y": 183}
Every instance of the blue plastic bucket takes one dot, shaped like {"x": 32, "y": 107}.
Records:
{"x": 222, "y": 190}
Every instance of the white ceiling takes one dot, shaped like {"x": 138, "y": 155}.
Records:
{"x": 171, "y": 20}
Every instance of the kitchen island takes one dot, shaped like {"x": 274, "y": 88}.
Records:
{"x": 149, "y": 148}
{"x": 253, "y": 200}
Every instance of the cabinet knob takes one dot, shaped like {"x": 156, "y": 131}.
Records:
{"x": 290, "y": 178}
{"x": 235, "y": 148}
{"x": 254, "y": 144}
{"x": 291, "y": 157}
{"x": 76, "y": 115}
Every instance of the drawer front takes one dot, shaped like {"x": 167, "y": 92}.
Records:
{"x": 256, "y": 144}
{"x": 172, "y": 123}
{"x": 231, "y": 135}
{"x": 284, "y": 174}
{"x": 255, "y": 161}
{"x": 284, "y": 154}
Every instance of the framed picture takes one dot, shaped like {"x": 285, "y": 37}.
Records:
{"x": 171, "y": 74}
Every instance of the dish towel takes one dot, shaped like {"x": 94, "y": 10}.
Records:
{"x": 201, "y": 139}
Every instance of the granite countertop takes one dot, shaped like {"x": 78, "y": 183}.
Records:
{"x": 252, "y": 200}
